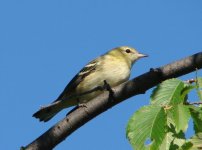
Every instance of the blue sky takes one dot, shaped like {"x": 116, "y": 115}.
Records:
{"x": 45, "y": 43}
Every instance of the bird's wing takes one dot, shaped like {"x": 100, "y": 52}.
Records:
{"x": 70, "y": 88}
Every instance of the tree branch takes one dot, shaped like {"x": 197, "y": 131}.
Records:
{"x": 138, "y": 85}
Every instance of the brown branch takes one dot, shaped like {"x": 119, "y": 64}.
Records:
{"x": 138, "y": 85}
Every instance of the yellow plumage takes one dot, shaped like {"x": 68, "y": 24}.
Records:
{"x": 113, "y": 67}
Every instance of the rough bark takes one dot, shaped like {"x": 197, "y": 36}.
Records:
{"x": 139, "y": 85}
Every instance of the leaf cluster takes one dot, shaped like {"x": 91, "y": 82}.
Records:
{"x": 163, "y": 123}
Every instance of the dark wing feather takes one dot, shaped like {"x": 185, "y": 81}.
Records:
{"x": 70, "y": 88}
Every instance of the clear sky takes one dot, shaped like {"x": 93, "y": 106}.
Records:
{"x": 43, "y": 44}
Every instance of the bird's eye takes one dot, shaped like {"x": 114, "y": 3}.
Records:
{"x": 128, "y": 51}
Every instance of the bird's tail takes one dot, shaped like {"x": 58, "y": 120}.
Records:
{"x": 48, "y": 112}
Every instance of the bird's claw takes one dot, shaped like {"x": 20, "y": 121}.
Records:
{"x": 108, "y": 88}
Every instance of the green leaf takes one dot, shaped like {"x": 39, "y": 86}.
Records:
{"x": 196, "y": 114}
{"x": 187, "y": 146}
{"x": 165, "y": 145}
{"x": 187, "y": 88}
{"x": 199, "y": 86}
{"x": 147, "y": 122}
{"x": 169, "y": 136}
{"x": 172, "y": 139}
{"x": 199, "y": 82}
{"x": 199, "y": 92}
{"x": 177, "y": 121}
{"x": 168, "y": 92}
{"x": 180, "y": 115}
{"x": 197, "y": 141}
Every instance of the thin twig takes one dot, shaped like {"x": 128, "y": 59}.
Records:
{"x": 194, "y": 103}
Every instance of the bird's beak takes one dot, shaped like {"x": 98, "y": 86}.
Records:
{"x": 141, "y": 55}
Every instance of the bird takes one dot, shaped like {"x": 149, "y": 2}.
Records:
{"x": 114, "y": 67}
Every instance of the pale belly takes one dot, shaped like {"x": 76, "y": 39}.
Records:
{"x": 114, "y": 76}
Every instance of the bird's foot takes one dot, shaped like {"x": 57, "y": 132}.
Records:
{"x": 109, "y": 89}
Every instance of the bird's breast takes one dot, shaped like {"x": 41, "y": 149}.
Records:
{"x": 114, "y": 73}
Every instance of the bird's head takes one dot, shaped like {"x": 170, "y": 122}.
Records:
{"x": 128, "y": 53}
